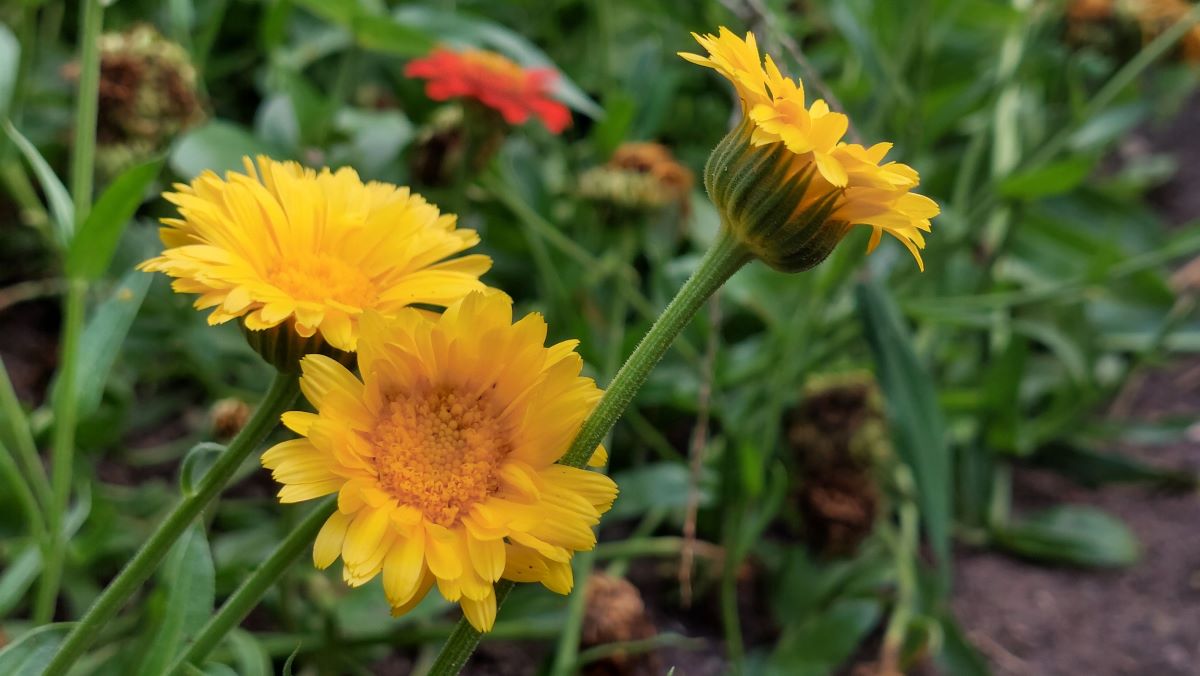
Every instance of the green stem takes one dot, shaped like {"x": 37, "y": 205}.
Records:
{"x": 459, "y": 646}
{"x": 22, "y": 438}
{"x": 725, "y": 257}
{"x": 642, "y": 546}
{"x": 247, "y": 596}
{"x": 904, "y": 550}
{"x": 63, "y": 453}
{"x": 730, "y": 621}
{"x": 278, "y": 398}
{"x": 62, "y": 458}
{"x": 84, "y": 151}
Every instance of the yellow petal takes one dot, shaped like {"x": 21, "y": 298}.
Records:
{"x": 364, "y": 534}
{"x": 482, "y": 613}
{"x": 487, "y": 556}
{"x": 329, "y": 540}
{"x": 403, "y": 568}
{"x": 441, "y": 551}
{"x": 423, "y": 588}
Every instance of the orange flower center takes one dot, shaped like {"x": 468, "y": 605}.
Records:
{"x": 493, "y": 63}
{"x": 438, "y": 452}
{"x": 321, "y": 278}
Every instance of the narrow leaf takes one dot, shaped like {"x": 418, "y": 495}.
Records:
{"x": 1094, "y": 468}
{"x": 913, "y": 413}
{"x": 390, "y": 37}
{"x": 56, "y": 195}
{"x": 1074, "y": 535}
{"x": 819, "y": 645}
{"x": 249, "y": 654}
{"x": 103, "y": 337}
{"x": 92, "y": 247}
{"x": 188, "y": 587}
{"x": 30, "y": 653}
{"x": 1052, "y": 179}
{"x": 10, "y": 58}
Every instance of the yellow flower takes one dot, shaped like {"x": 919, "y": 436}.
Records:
{"x": 314, "y": 250}
{"x": 784, "y": 179}
{"x": 443, "y": 456}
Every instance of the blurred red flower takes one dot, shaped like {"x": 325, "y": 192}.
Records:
{"x": 497, "y": 82}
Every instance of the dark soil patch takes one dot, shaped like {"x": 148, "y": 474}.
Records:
{"x": 29, "y": 347}
{"x": 1033, "y": 619}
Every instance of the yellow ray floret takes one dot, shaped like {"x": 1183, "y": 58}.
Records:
{"x": 776, "y": 114}
{"x": 281, "y": 243}
{"x": 443, "y": 456}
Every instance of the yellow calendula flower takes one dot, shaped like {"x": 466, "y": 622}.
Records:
{"x": 443, "y": 456}
{"x": 785, "y": 181}
{"x": 281, "y": 245}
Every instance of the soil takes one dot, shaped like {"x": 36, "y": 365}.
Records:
{"x": 1028, "y": 618}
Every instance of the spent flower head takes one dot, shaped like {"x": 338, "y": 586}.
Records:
{"x": 784, "y": 180}
{"x": 148, "y": 93}
{"x": 639, "y": 175}
{"x": 299, "y": 254}
{"x": 443, "y": 456}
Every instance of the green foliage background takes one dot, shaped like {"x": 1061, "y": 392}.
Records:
{"x": 1046, "y": 288}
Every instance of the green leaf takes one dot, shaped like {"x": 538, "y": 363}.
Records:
{"x": 1110, "y": 125}
{"x": 1052, "y": 179}
{"x": 958, "y": 656}
{"x": 461, "y": 28}
{"x": 20, "y": 570}
{"x": 187, "y": 585}
{"x": 389, "y": 37}
{"x": 614, "y": 128}
{"x": 93, "y": 245}
{"x": 338, "y": 11}
{"x": 59, "y": 200}
{"x": 104, "y": 335}
{"x": 912, "y": 411}
{"x": 10, "y": 59}
{"x": 1094, "y": 468}
{"x": 1071, "y": 534}
{"x": 821, "y": 644}
{"x": 1003, "y": 388}
{"x": 217, "y": 146}
{"x": 210, "y": 669}
{"x": 662, "y": 485}
{"x": 287, "y": 666}
{"x": 196, "y": 464}
{"x": 276, "y": 122}
{"x": 249, "y": 654}
{"x": 33, "y": 650}
{"x": 376, "y": 138}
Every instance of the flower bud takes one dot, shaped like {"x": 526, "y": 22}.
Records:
{"x": 785, "y": 183}
{"x": 773, "y": 207}
{"x": 283, "y": 347}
